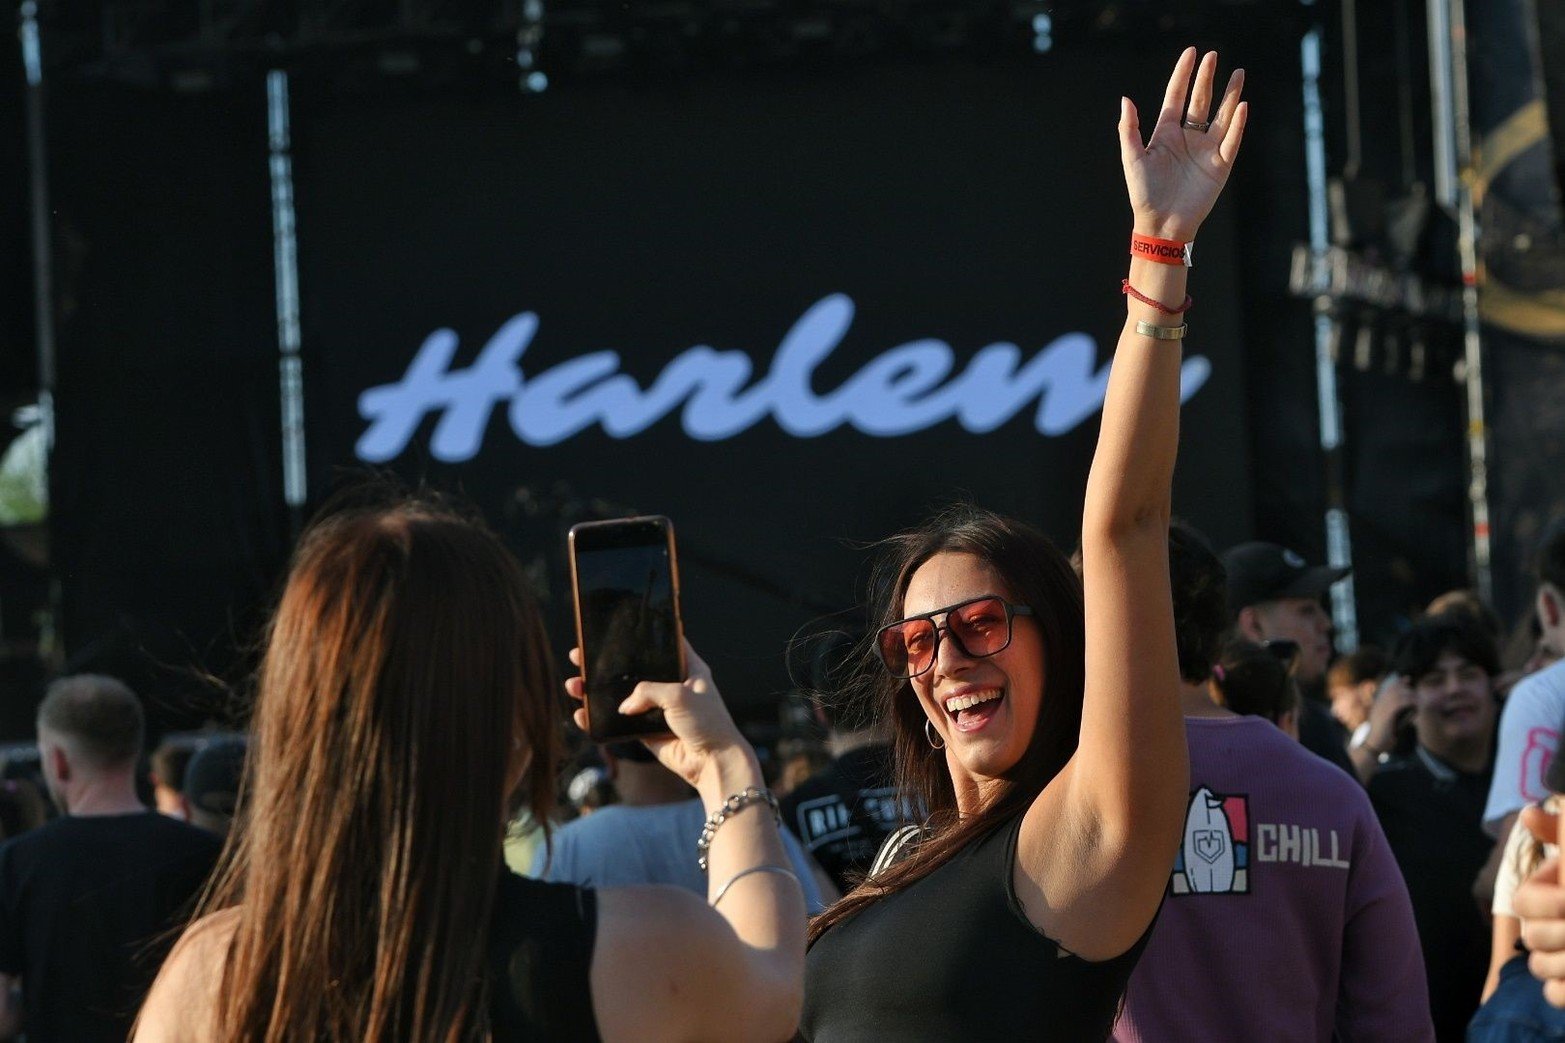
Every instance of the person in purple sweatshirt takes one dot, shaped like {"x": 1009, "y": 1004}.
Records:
{"x": 1286, "y": 918}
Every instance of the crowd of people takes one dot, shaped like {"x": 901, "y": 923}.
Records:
{"x": 1132, "y": 794}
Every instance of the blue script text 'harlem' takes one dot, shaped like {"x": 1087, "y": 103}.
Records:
{"x": 896, "y": 393}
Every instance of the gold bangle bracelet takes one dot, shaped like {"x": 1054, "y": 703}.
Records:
{"x": 1147, "y": 329}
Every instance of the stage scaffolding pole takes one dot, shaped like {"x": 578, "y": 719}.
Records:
{"x": 43, "y": 243}
{"x": 1454, "y": 194}
{"x": 43, "y": 283}
{"x": 1339, "y": 544}
{"x": 285, "y": 262}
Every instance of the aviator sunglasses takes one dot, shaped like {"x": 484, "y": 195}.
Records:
{"x": 980, "y": 627}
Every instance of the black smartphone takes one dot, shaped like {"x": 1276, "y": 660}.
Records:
{"x": 626, "y": 581}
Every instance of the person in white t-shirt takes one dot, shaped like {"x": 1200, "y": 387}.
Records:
{"x": 1530, "y": 724}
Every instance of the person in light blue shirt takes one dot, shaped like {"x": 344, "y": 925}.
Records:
{"x": 649, "y": 836}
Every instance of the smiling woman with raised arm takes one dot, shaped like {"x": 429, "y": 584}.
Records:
{"x": 407, "y": 689}
{"x": 1037, "y": 720}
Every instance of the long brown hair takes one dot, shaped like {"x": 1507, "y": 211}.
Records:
{"x": 1038, "y": 575}
{"x": 405, "y": 682}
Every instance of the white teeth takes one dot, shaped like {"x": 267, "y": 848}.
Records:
{"x": 967, "y": 702}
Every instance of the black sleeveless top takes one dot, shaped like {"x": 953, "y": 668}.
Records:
{"x": 539, "y": 958}
{"x": 954, "y": 957}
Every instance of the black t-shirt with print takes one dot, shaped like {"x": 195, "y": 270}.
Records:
{"x": 843, "y": 813}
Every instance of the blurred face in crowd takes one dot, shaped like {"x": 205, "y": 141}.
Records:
{"x": 1303, "y": 621}
{"x": 1454, "y": 707}
{"x": 1350, "y": 702}
{"x": 985, "y": 740}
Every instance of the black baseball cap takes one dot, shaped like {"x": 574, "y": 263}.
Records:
{"x": 213, "y": 774}
{"x": 1266, "y": 572}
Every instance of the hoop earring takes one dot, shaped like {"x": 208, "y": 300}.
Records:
{"x": 930, "y": 734}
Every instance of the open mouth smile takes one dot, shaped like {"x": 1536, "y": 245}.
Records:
{"x": 972, "y": 708}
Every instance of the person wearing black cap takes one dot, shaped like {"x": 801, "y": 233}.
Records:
{"x": 212, "y": 784}
{"x": 1275, "y": 596}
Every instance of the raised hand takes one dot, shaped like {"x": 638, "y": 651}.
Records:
{"x": 1175, "y": 177}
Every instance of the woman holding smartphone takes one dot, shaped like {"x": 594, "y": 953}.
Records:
{"x": 406, "y": 692}
{"x": 1037, "y": 717}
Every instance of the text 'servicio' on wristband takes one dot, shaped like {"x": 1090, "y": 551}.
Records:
{"x": 1163, "y": 251}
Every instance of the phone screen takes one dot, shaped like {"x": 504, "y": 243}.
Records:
{"x": 629, "y": 617}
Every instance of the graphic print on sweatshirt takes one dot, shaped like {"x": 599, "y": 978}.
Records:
{"x": 1222, "y": 846}
{"x": 1214, "y": 857}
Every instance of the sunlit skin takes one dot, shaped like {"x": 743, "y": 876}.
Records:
{"x": 979, "y": 758}
{"x": 1454, "y": 711}
{"x": 1303, "y": 621}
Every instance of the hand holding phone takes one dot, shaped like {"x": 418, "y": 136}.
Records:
{"x": 701, "y": 743}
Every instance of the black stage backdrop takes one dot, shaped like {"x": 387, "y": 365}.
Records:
{"x": 167, "y": 519}
{"x": 677, "y": 234}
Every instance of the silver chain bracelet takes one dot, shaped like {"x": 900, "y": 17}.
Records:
{"x": 727, "y": 810}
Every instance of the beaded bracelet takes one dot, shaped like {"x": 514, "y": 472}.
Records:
{"x": 727, "y": 810}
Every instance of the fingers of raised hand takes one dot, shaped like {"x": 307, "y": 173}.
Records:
{"x": 579, "y": 715}
{"x": 1174, "y": 96}
{"x": 1130, "y": 143}
{"x": 1229, "y": 151}
{"x": 1201, "y": 93}
{"x": 1229, "y": 105}
{"x": 575, "y": 689}
{"x": 1554, "y": 992}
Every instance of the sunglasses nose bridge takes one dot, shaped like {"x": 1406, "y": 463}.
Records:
{"x": 947, "y": 638}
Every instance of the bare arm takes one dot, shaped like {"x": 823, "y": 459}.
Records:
{"x": 665, "y": 964}
{"x": 1120, "y": 803}
{"x": 1507, "y": 932}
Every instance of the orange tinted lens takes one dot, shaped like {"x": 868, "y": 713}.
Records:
{"x": 981, "y": 627}
{"x": 908, "y": 647}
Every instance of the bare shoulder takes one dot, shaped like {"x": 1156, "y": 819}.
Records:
{"x": 181, "y": 1003}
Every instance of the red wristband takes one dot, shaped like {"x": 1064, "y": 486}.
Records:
{"x": 1126, "y": 288}
{"x": 1163, "y": 251}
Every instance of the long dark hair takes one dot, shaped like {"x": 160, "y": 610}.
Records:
{"x": 406, "y": 684}
{"x": 1038, "y": 575}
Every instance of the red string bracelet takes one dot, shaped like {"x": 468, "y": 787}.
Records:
{"x": 1126, "y": 288}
